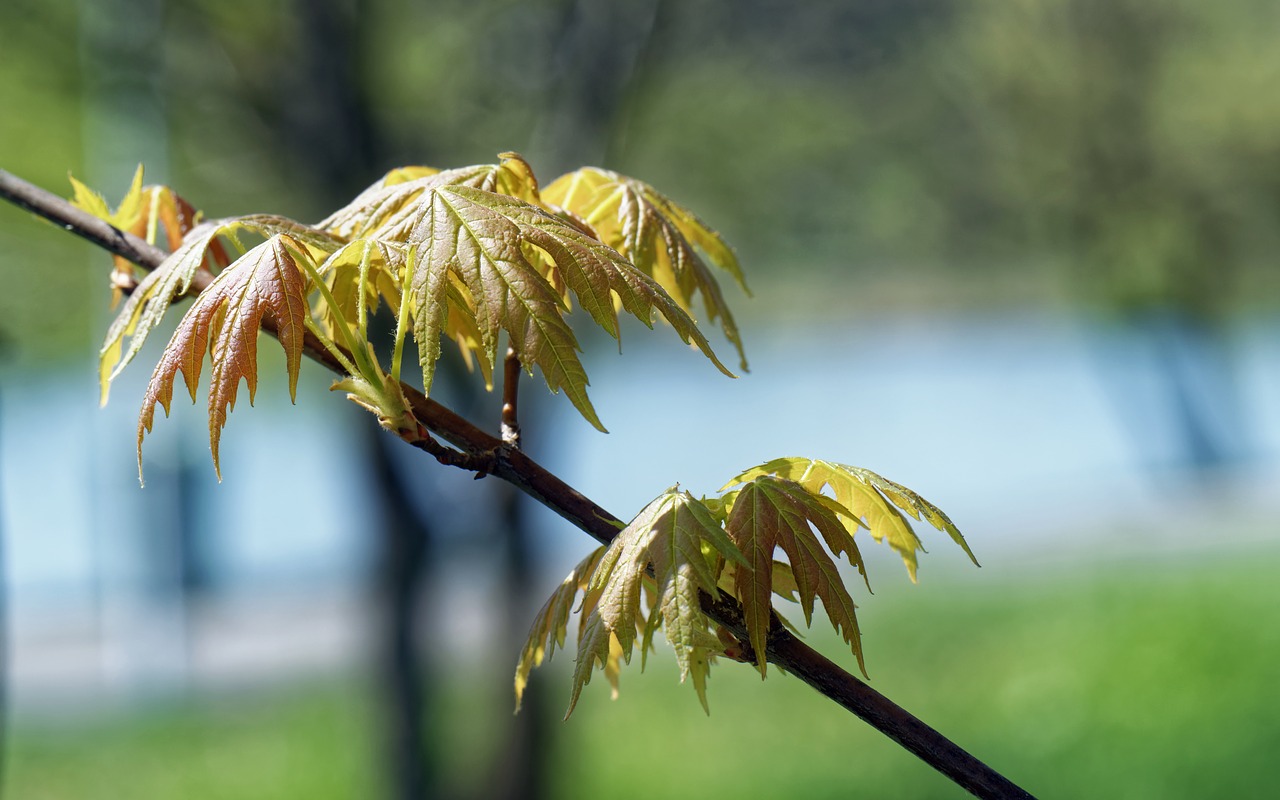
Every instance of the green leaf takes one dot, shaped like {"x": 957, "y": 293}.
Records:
{"x": 596, "y": 645}
{"x": 773, "y": 513}
{"x": 493, "y": 258}
{"x": 360, "y": 275}
{"x": 551, "y": 622}
{"x": 598, "y": 275}
{"x": 657, "y": 235}
{"x": 387, "y": 210}
{"x": 869, "y": 496}
{"x": 461, "y": 234}
{"x": 669, "y": 536}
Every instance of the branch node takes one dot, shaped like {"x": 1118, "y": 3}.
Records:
{"x": 482, "y": 463}
{"x": 511, "y": 399}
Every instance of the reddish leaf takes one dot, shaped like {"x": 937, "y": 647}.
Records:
{"x": 265, "y": 283}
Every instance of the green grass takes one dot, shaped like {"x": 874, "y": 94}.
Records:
{"x": 1157, "y": 681}
{"x": 310, "y": 744}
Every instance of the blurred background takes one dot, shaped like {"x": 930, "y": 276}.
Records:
{"x": 1018, "y": 255}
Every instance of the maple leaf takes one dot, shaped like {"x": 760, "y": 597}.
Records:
{"x": 470, "y": 254}
{"x": 265, "y": 283}
{"x": 770, "y": 513}
{"x": 597, "y": 275}
{"x": 596, "y": 644}
{"x": 128, "y": 216}
{"x": 869, "y": 496}
{"x": 147, "y": 305}
{"x": 381, "y": 210}
{"x": 141, "y": 212}
{"x": 551, "y": 623}
{"x": 682, "y": 542}
{"x": 657, "y": 235}
{"x": 360, "y": 275}
{"x": 491, "y": 257}
{"x": 461, "y": 236}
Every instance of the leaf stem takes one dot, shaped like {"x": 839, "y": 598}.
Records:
{"x": 367, "y": 368}
{"x": 478, "y": 451}
{"x": 402, "y": 317}
{"x": 330, "y": 345}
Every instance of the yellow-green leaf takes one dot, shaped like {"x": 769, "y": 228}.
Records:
{"x": 657, "y": 235}
{"x": 551, "y": 622}
{"x": 596, "y": 645}
{"x": 598, "y": 275}
{"x": 868, "y": 496}
{"x": 672, "y": 535}
{"x": 388, "y": 209}
{"x": 772, "y": 513}
{"x": 463, "y": 233}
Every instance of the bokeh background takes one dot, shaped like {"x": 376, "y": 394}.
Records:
{"x": 1018, "y": 255}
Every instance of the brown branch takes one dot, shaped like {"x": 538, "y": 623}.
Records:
{"x": 511, "y": 398}
{"x": 484, "y": 453}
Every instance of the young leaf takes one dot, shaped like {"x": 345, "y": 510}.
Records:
{"x": 771, "y": 513}
{"x": 493, "y": 258}
{"x": 146, "y": 307}
{"x": 878, "y": 500}
{"x": 359, "y": 275}
{"x": 386, "y": 210}
{"x": 265, "y": 283}
{"x": 656, "y": 234}
{"x": 670, "y": 535}
{"x": 142, "y": 211}
{"x": 129, "y": 216}
{"x": 551, "y": 622}
{"x": 596, "y": 644}
{"x": 460, "y": 233}
{"x": 597, "y": 274}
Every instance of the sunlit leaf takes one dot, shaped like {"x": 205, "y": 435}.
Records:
{"x": 386, "y": 210}
{"x": 551, "y": 622}
{"x": 871, "y": 497}
{"x": 147, "y": 305}
{"x": 461, "y": 235}
{"x": 266, "y": 283}
{"x": 657, "y": 235}
{"x": 772, "y": 513}
{"x": 597, "y": 275}
{"x": 673, "y": 536}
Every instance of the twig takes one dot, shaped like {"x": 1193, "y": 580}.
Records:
{"x": 511, "y": 398}
{"x": 479, "y": 451}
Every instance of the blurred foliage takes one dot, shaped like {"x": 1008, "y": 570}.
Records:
{"x": 967, "y": 146}
{"x": 1150, "y": 682}
{"x": 40, "y": 141}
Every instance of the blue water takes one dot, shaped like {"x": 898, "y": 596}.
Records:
{"x": 1027, "y": 431}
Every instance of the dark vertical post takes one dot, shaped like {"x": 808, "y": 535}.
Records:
{"x": 329, "y": 128}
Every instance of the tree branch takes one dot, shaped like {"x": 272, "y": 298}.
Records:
{"x": 483, "y": 453}
{"x": 511, "y": 398}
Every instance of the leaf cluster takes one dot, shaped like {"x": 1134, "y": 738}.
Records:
{"x": 471, "y": 254}
{"x": 480, "y": 252}
{"x": 776, "y": 529}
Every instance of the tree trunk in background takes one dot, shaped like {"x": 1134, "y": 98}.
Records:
{"x": 124, "y": 114}
{"x": 604, "y": 53}
{"x": 328, "y": 129}
{"x": 332, "y": 141}
{"x": 526, "y": 748}
{"x": 403, "y": 683}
